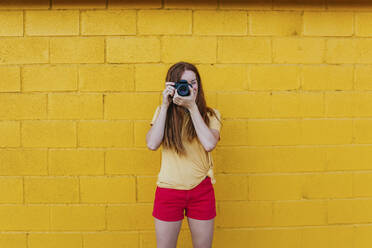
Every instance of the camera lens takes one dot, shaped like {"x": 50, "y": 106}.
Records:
{"x": 183, "y": 90}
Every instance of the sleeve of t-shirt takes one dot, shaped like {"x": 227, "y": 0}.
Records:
{"x": 155, "y": 115}
{"x": 214, "y": 123}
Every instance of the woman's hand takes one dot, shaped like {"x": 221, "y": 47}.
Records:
{"x": 185, "y": 101}
{"x": 168, "y": 92}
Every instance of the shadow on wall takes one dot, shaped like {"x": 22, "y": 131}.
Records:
{"x": 211, "y": 4}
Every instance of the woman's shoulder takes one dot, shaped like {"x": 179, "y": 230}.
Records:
{"x": 216, "y": 111}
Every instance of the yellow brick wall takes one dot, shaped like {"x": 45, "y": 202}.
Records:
{"x": 292, "y": 80}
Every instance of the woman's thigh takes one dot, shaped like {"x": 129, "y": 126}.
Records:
{"x": 201, "y": 232}
{"x": 167, "y": 233}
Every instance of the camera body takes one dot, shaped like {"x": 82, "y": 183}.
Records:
{"x": 182, "y": 87}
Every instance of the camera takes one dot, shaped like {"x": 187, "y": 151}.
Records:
{"x": 182, "y": 87}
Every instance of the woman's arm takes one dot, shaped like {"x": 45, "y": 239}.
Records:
{"x": 155, "y": 135}
{"x": 207, "y": 137}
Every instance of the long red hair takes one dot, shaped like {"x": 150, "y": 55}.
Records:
{"x": 176, "y": 114}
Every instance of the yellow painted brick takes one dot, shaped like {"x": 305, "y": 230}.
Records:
{"x": 134, "y": 161}
{"x": 11, "y": 23}
{"x": 341, "y": 211}
{"x": 231, "y": 187}
{"x": 71, "y": 4}
{"x": 111, "y": 239}
{"x": 24, "y": 4}
{"x": 140, "y": 130}
{"x": 329, "y": 77}
{"x": 244, "y": 105}
{"x": 105, "y": 134}
{"x": 298, "y": 50}
{"x": 150, "y": 77}
{"x": 22, "y": 106}
{"x": 363, "y": 47}
{"x": 134, "y": 4}
{"x": 211, "y": 98}
{"x": 164, "y": 21}
{"x": 326, "y": 131}
{"x": 52, "y": 22}
{"x": 108, "y": 22}
{"x": 348, "y": 158}
{"x": 10, "y": 134}
{"x": 331, "y": 236}
{"x": 285, "y": 105}
{"x": 299, "y": 213}
{"x": 146, "y": 187}
{"x": 239, "y": 160}
{"x": 283, "y": 23}
{"x": 106, "y": 77}
{"x": 361, "y": 5}
{"x": 107, "y": 189}
{"x": 51, "y": 190}
{"x": 24, "y": 217}
{"x": 148, "y": 239}
{"x": 215, "y": 77}
{"x": 133, "y": 49}
{"x": 130, "y": 217}
{"x": 318, "y": 23}
{"x": 75, "y": 106}
{"x": 339, "y": 104}
{"x": 362, "y": 236}
{"x": 363, "y": 213}
{"x": 13, "y": 240}
{"x": 235, "y": 133}
{"x": 191, "y": 4}
{"x": 11, "y": 79}
{"x": 11, "y": 190}
{"x": 72, "y": 162}
{"x": 312, "y": 104}
{"x": 297, "y": 159}
{"x": 220, "y": 22}
{"x": 251, "y": 50}
{"x": 363, "y": 104}
{"x": 77, "y": 50}
{"x": 48, "y": 134}
{"x": 57, "y": 240}
{"x": 49, "y": 78}
{"x": 77, "y": 218}
{"x": 274, "y": 132}
{"x": 135, "y": 108}
{"x": 241, "y": 238}
{"x": 362, "y": 184}
{"x": 334, "y": 185}
{"x": 274, "y": 77}
{"x": 298, "y": 5}
{"x": 244, "y": 214}
{"x": 349, "y": 50}
{"x": 243, "y": 4}
{"x": 362, "y": 131}
{"x": 275, "y": 187}
{"x": 362, "y": 24}
{"x": 193, "y": 49}
{"x": 19, "y": 162}
{"x": 341, "y": 50}
{"x": 363, "y": 77}
{"x": 24, "y": 50}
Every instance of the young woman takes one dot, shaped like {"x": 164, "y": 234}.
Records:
{"x": 188, "y": 131}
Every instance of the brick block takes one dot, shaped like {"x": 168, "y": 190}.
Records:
{"x": 108, "y": 22}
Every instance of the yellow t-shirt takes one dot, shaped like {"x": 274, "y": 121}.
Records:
{"x": 186, "y": 172}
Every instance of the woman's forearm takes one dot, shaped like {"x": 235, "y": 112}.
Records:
{"x": 155, "y": 135}
{"x": 205, "y": 135}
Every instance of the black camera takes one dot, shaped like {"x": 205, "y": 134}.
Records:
{"x": 182, "y": 87}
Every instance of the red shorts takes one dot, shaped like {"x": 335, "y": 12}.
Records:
{"x": 198, "y": 202}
